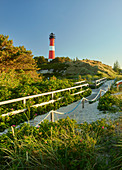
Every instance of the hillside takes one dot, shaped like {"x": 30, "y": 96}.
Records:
{"x": 78, "y": 67}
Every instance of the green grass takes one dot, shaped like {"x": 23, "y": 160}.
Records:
{"x": 7, "y": 121}
{"x": 80, "y": 67}
{"x": 110, "y": 101}
{"x": 63, "y": 144}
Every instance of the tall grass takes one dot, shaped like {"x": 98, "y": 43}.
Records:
{"x": 63, "y": 144}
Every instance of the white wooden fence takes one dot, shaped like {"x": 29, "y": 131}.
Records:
{"x": 79, "y": 82}
{"x": 100, "y": 81}
{"x": 38, "y": 95}
{"x": 97, "y": 82}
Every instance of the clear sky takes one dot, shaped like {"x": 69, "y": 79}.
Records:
{"x": 89, "y": 29}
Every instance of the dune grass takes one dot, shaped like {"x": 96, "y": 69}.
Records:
{"x": 63, "y": 144}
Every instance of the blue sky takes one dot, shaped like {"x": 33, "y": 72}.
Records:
{"x": 89, "y": 29}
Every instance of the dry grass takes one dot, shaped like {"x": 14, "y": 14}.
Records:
{"x": 91, "y": 67}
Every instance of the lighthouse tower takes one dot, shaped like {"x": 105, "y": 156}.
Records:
{"x": 52, "y": 47}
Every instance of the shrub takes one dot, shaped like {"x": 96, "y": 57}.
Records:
{"x": 7, "y": 121}
{"x": 63, "y": 144}
{"x": 109, "y": 102}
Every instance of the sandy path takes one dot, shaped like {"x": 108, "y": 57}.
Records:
{"x": 89, "y": 113}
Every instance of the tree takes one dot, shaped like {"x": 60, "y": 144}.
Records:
{"x": 116, "y": 67}
{"x": 61, "y": 59}
{"x": 17, "y": 58}
{"x": 40, "y": 60}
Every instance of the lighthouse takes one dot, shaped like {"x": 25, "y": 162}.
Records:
{"x": 52, "y": 47}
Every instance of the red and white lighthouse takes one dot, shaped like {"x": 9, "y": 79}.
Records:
{"x": 52, "y": 47}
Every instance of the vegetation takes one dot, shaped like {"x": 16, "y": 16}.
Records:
{"x": 31, "y": 113}
{"x": 68, "y": 68}
{"x": 116, "y": 67}
{"x": 13, "y": 87}
{"x": 16, "y": 58}
{"x": 110, "y": 101}
{"x": 61, "y": 60}
{"x": 41, "y": 60}
{"x": 63, "y": 144}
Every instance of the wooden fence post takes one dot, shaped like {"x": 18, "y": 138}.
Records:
{"x": 100, "y": 92}
{"x": 83, "y": 103}
{"x": 52, "y": 96}
{"x": 52, "y": 116}
{"x": 24, "y": 102}
{"x": 100, "y": 95}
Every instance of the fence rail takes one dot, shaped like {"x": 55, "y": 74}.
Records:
{"x": 38, "y": 95}
{"x": 79, "y": 82}
{"x": 52, "y": 112}
{"x": 44, "y": 94}
{"x": 100, "y": 81}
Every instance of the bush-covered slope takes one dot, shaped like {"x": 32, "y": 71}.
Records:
{"x": 78, "y": 67}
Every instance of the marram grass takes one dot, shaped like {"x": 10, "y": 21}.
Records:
{"x": 63, "y": 144}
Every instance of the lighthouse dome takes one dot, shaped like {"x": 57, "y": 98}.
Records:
{"x": 51, "y": 36}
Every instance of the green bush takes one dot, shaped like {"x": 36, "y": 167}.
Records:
{"x": 63, "y": 144}
{"x": 109, "y": 102}
{"x": 7, "y": 121}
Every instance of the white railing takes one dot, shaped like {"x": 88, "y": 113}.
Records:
{"x": 38, "y": 95}
{"x": 79, "y": 82}
{"x": 51, "y": 113}
{"x": 42, "y": 94}
{"x": 99, "y": 81}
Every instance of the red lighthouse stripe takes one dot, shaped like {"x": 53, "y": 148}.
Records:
{"x": 51, "y": 54}
{"x": 52, "y": 42}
